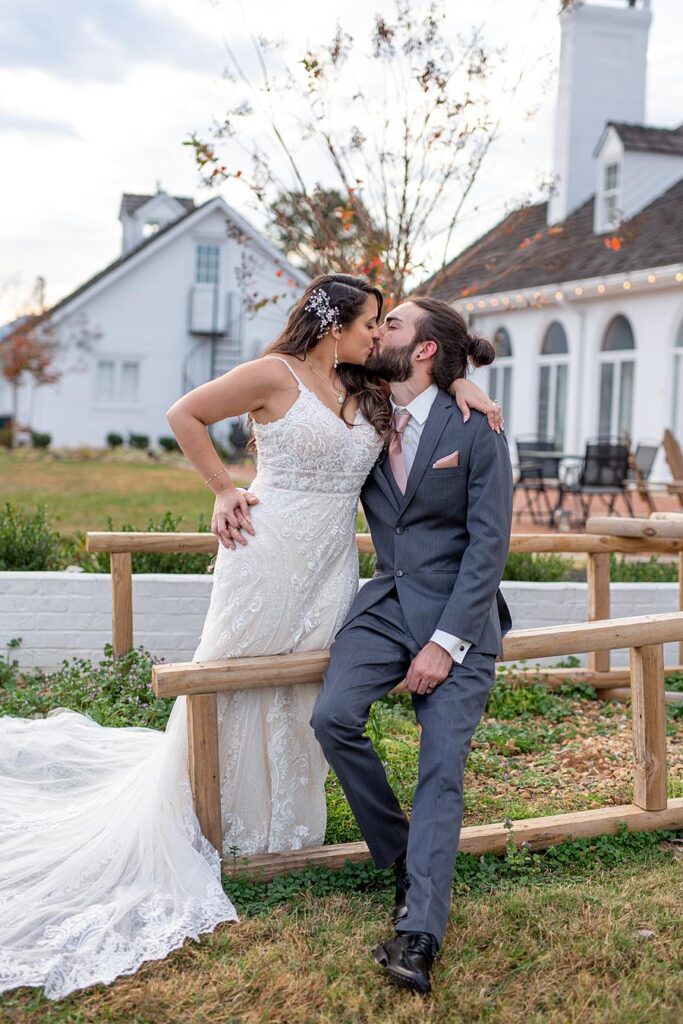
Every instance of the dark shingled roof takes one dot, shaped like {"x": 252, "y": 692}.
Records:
{"x": 522, "y": 251}
{"x": 650, "y": 140}
{"x": 131, "y": 202}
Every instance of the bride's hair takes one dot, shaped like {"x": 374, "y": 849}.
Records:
{"x": 347, "y": 295}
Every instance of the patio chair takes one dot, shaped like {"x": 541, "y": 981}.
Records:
{"x": 537, "y": 473}
{"x": 641, "y": 462}
{"x": 674, "y": 459}
{"x": 601, "y": 474}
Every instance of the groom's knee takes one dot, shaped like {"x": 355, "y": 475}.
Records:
{"x": 332, "y": 719}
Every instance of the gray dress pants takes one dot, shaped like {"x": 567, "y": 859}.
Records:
{"x": 370, "y": 655}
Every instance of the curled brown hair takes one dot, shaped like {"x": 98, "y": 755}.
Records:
{"x": 457, "y": 345}
{"x": 302, "y": 333}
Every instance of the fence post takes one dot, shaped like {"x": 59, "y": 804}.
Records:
{"x": 597, "y": 576}
{"x": 202, "y": 731}
{"x": 649, "y": 727}
{"x": 121, "y": 602}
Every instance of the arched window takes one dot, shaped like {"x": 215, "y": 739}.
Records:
{"x": 500, "y": 375}
{"x": 676, "y": 412}
{"x": 617, "y": 374}
{"x": 552, "y": 388}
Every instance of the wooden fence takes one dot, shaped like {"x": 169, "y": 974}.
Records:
{"x": 596, "y": 548}
{"x": 644, "y": 636}
{"x": 201, "y": 682}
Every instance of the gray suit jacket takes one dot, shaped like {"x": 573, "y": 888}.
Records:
{"x": 444, "y": 544}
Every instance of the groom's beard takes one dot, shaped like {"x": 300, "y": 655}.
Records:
{"x": 393, "y": 364}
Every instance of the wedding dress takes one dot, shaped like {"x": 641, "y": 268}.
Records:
{"x": 102, "y": 862}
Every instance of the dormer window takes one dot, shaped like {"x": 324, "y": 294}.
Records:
{"x": 150, "y": 228}
{"x": 207, "y": 264}
{"x": 610, "y": 194}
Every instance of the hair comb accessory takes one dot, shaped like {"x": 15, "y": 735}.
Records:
{"x": 319, "y": 303}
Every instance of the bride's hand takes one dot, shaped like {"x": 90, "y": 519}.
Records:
{"x": 469, "y": 395}
{"x": 231, "y": 515}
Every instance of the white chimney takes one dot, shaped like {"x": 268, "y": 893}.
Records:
{"x": 603, "y": 69}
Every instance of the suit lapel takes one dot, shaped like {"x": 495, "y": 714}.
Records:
{"x": 439, "y": 415}
{"x": 379, "y": 476}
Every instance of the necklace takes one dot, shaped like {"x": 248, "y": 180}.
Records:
{"x": 341, "y": 395}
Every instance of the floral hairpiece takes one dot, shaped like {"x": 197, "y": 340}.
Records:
{"x": 319, "y": 303}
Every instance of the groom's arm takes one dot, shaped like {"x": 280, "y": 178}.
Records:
{"x": 489, "y": 520}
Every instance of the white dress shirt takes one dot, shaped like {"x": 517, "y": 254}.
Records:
{"x": 419, "y": 411}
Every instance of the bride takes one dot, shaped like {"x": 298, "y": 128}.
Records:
{"x": 102, "y": 862}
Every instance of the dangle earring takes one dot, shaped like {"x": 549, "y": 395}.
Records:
{"x": 336, "y": 359}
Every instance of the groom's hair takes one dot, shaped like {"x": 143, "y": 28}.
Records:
{"x": 456, "y": 344}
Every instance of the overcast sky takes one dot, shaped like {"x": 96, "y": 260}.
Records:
{"x": 96, "y": 97}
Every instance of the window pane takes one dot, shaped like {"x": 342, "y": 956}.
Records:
{"x": 493, "y": 382}
{"x": 104, "y": 380}
{"x": 501, "y": 340}
{"x": 507, "y": 396}
{"x": 560, "y": 403}
{"x": 543, "y": 401}
{"x": 207, "y": 266}
{"x": 618, "y": 336}
{"x": 606, "y": 388}
{"x": 130, "y": 376}
{"x": 626, "y": 397}
{"x": 611, "y": 211}
{"x": 611, "y": 177}
{"x": 555, "y": 341}
{"x": 677, "y": 393}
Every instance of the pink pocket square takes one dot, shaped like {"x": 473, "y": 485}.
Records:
{"x": 448, "y": 461}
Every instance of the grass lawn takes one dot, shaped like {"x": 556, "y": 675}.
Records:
{"x": 80, "y": 495}
{"x": 591, "y": 931}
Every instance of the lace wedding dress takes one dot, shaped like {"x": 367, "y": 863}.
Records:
{"x": 102, "y": 863}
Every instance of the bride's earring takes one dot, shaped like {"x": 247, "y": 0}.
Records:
{"x": 336, "y": 359}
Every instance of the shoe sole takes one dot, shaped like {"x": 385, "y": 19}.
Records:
{"x": 399, "y": 977}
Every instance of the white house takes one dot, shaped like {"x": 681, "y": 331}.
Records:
{"x": 584, "y": 294}
{"x": 172, "y": 312}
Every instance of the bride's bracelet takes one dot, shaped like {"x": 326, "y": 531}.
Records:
{"x": 217, "y": 473}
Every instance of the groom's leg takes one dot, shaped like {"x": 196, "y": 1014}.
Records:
{"x": 448, "y": 718}
{"x": 368, "y": 658}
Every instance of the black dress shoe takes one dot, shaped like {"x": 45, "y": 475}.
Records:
{"x": 402, "y": 886}
{"x": 408, "y": 959}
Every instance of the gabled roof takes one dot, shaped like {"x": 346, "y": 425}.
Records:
{"x": 131, "y": 202}
{"x": 651, "y": 140}
{"x": 158, "y": 238}
{"x": 522, "y": 251}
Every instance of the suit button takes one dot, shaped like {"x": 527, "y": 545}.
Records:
{"x": 399, "y": 529}
{"x": 399, "y": 572}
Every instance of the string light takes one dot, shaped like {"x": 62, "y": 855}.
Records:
{"x": 651, "y": 278}
{"x": 470, "y": 307}
{"x": 506, "y": 301}
{"x": 481, "y": 304}
{"x": 578, "y": 291}
{"x": 626, "y": 285}
{"x": 601, "y": 288}
{"x": 494, "y": 302}
{"x": 520, "y": 298}
{"x": 559, "y": 296}
{"x": 679, "y": 277}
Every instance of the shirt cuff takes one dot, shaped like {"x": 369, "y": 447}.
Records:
{"x": 456, "y": 647}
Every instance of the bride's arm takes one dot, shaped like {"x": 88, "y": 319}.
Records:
{"x": 469, "y": 395}
{"x": 257, "y": 386}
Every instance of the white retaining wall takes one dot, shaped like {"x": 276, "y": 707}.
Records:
{"x": 62, "y": 614}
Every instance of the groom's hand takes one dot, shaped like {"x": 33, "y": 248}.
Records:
{"x": 428, "y": 668}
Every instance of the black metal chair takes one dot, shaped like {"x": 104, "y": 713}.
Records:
{"x": 602, "y": 473}
{"x": 537, "y": 473}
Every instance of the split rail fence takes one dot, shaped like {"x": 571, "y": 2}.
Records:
{"x": 644, "y": 636}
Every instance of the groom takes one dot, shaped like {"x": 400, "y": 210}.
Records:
{"x": 439, "y": 508}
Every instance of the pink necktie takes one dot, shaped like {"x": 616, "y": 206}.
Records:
{"x": 396, "y": 460}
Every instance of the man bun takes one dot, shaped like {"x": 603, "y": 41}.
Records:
{"x": 480, "y": 351}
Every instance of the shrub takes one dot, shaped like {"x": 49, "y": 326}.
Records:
{"x": 114, "y": 440}
{"x": 26, "y": 540}
{"x": 155, "y": 561}
{"x": 169, "y": 444}
{"x": 40, "y": 440}
{"x": 5, "y": 437}
{"x": 535, "y": 568}
{"x": 652, "y": 571}
{"x": 140, "y": 441}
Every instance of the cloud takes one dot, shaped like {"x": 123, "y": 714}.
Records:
{"x": 36, "y": 125}
{"x": 98, "y": 40}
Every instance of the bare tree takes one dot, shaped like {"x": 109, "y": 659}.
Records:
{"x": 365, "y": 152}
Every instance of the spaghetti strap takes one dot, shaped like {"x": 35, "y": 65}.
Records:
{"x": 291, "y": 369}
